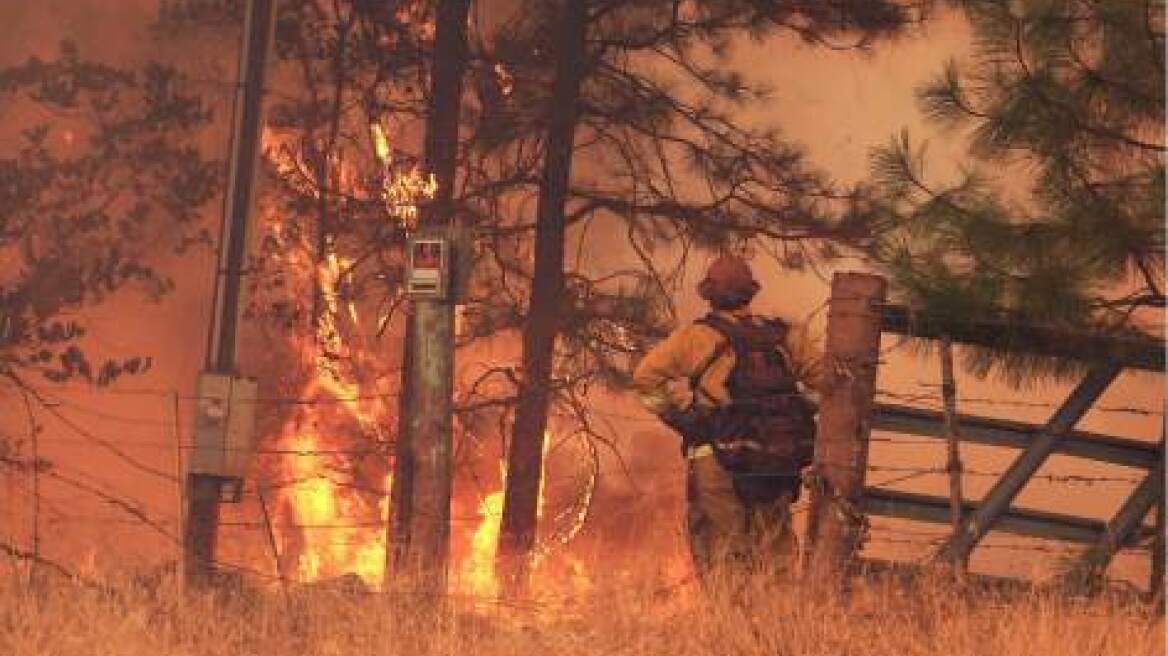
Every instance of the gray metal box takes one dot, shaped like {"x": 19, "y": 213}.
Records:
{"x": 224, "y": 426}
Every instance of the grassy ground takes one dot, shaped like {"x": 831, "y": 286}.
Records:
{"x": 47, "y": 616}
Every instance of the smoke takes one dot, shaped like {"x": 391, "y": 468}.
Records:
{"x": 138, "y": 414}
{"x": 839, "y": 105}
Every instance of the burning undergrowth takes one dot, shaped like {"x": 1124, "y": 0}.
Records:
{"x": 327, "y": 312}
{"x": 324, "y": 470}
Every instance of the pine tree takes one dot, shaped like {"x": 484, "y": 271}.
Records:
{"x": 101, "y": 183}
{"x": 105, "y": 184}
{"x": 1068, "y": 96}
{"x": 675, "y": 167}
{"x": 679, "y": 170}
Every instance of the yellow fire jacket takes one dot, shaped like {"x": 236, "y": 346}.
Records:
{"x": 662, "y": 378}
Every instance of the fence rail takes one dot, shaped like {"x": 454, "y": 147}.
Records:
{"x": 1017, "y": 521}
{"x": 1015, "y": 434}
{"x": 1107, "y": 354}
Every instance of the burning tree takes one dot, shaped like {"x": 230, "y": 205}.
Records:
{"x": 344, "y": 183}
{"x": 327, "y": 274}
{"x": 656, "y": 114}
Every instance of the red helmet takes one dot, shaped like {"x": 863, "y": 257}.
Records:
{"x": 729, "y": 283}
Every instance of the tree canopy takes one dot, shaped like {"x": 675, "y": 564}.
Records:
{"x": 1064, "y": 101}
{"x": 104, "y": 182}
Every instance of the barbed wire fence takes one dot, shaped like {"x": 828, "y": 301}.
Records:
{"x": 74, "y": 486}
{"x": 70, "y": 420}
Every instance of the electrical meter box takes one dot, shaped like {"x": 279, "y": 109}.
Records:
{"x": 225, "y": 416}
{"x": 429, "y": 268}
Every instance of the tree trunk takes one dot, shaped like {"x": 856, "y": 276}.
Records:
{"x": 525, "y": 452}
{"x": 425, "y": 442}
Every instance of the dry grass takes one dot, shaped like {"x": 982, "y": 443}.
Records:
{"x": 51, "y": 617}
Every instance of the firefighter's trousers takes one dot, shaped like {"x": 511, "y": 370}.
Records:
{"x": 725, "y": 532}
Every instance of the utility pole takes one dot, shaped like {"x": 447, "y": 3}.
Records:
{"x": 222, "y": 423}
{"x": 420, "y": 530}
{"x": 851, "y": 357}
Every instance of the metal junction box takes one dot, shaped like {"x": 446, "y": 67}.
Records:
{"x": 225, "y": 418}
{"x": 429, "y": 268}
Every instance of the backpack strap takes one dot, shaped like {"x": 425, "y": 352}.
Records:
{"x": 730, "y": 340}
{"x": 729, "y": 330}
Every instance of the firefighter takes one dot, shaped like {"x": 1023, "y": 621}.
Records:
{"x": 740, "y": 390}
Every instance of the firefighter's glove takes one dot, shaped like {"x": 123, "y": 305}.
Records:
{"x": 688, "y": 423}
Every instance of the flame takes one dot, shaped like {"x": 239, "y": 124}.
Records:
{"x": 332, "y": 543}
{"x": 479, "y": 567}
{"x": 479, "y": 577}
{"x": 333, "y": 520}
{"x": 380, "y": 142}
{"x": 504, "y": 79}
{"x": 402, "y": 187}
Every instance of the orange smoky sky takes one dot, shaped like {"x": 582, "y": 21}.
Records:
{"x": 839, "y": 105}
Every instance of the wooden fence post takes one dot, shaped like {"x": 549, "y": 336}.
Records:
{"x": 852, "y": 350}
{"x": 953, "y": 461}
{"x": 1156, "y": 582}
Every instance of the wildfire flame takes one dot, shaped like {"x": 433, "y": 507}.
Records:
{"x": 478, "y": 570}
{"x": 332, "y": 544}
{"x": 334, "y": 519}
{"x": 401, "y": 189}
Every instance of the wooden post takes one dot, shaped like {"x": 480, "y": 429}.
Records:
{"x": 34, "y": 437}
{"x": 200, "y": 529}
{"x": 401, "y": 492}
{"x": 1156, "y": 583}
{"x": 841, "y": 446}
{"x": 997, "y": 501}
{"x": 428, "y": 379}
{"x": 271, "y": 534}
{"x": 953, "y": 462}
{"x": 180, "y": 498}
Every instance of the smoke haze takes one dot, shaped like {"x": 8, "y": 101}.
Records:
{"x": 838, "y": 104}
